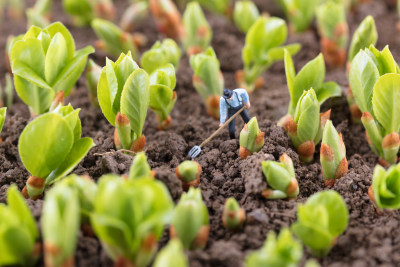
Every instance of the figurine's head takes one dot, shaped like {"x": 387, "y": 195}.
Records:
{"x": 227, "y": 93}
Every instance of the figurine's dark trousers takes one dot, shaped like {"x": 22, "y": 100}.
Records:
{"x": 232, "y": 125}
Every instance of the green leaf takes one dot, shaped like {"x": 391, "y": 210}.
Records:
{"x": 278, "y": 177}
{"x": 328, "y": 90}
{"x": 277, "y": 53}
{"x": 290, "y": 73}
{"x": 385, "y": 99}
{"x": 48, "y": 136}
{"x": 58, "y": 27}
{"x": 140, "y": 168}
{"x": 245, "y": 13}
{"x": 3, "y": 112}
{"x": 307, "y": 116}
{"x": 160, "y": 99}
{"x": 56, "y": 57}
{"x": 364, "y": 36}
{"x": 104, "y": 94}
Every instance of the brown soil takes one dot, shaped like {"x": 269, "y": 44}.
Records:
{"x": 369, "y": 240}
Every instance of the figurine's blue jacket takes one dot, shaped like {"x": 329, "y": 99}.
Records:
{"x": 235, "y": 102}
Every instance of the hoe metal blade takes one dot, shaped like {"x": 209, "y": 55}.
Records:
{"x": 194, "y": 152}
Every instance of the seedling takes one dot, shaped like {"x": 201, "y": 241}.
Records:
{"x": 245, "y": 14}
{"x": 283, "y": 250}
{"x": 19, "y": 235}
{"x": 60, "y": 224}
{"x": 11, "y": 40}
{"x": 376, "y": 98}
{"x": 46, "y": 66}
{"x": 140, "y": 168}
{"x": 124, "y": 95}
{"x": 162, "y": 94}
{"x": 281, "y": 178}
{"x": 251, "y": 139}
{"x": 130, "y": 242}
{"x": 306, "y": 126}
{"x": 113, "y": 40}
{"x": 320, "y": 221}
{"x": 223, "y": 7}
{"x": 133, "y": 15}
{"x": 189, "y": 173}
{"x": 160, "y": 54}
{"x": 93, "y": 72}
{"x": 263, "y": 48}
{"x": 190, "y": 222}
{"x": 84, "y": 11}
{"x": 167, "y": 17}
{"x": 208, "y": 80}
{"x": 233, "y": 217}
{"x": 40, "y": 14}
{"x": 312, "y": 75}
{"x": 333, "y": 155}
{"x": 172, "y": 255}
{"x": 9, "y": 91}
{"x": 3, "y": 112}
{"x": 334, "y": 32}
{"x": 364, "y": 36}
{"x": 385, "y": 189}
{"x": 56, "y": 137}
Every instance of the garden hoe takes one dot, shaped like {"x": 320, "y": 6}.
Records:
{"x": 195, "y": 151}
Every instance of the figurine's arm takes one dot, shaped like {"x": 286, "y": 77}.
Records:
{"x": 245, "y": 96}
{"x": 222, "y": 111}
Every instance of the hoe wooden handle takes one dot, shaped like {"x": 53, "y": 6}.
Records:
{"x": 223, "y": 126}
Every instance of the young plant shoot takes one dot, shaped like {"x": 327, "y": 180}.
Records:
{"x": 133, "y": 15}
{"x": 245, "y": 14}
{"x": 334, "y": 33}
{"x": 162, "y": 94}
{"x": 333, "y": 155}
{"x": 234, "y": 216}
{"x": 167, "y": 17}
{"x": 161, "y": 54}
{"x": 263, "y": 47}
{"x": 129, "y": 218}
{"x": 208, "y": 80}
{"x": 283, "y": 250}
{"x": 40, "y": 14}
{"x": 385, "y": 189}
{"x": 46, "y": 66}
{"x": 223, "y": 7}
{"x": 306, "y": 126}
{"x": 172, "y": 255}
{"x": 320, "y": 221}
{"x": 197, "y": 32}
{"x": 56, "y": 137}
{"x": 124, "y": 94}
{"x": 188, "y": 172}
{"x": 251, "y": 139}
{"x": 3, "y": 112}
{"x": 281, "y": 178}
{"x": 190, "y": 222}
{"x": 364, "y": 36}
{"x": 84, "y": 11}
{"x": 93, "y": 72}
{"x": 60, "y": 225}
{"x": 18, "y": 235}
{"x": 113, "y": 40}
{"x": 377, "y": 97}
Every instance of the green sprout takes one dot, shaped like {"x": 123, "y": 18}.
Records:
{"x": 113, "y": 40}
{"x": 333, "y": 155}
{"x": 3, "y": 112}
{"x": 60, "y": 225}
{"x": 283, "y": 250}
{"x": 188, "y": 172}
{"x": 167, "y": 18}
{"x": 124, "y": 94}
{"x": 263, "y": 48}
{"x": 84, "y": 11}
{"x": 334, "y": 32}
{"x": 190, "y": 222}
{"x": 140, "y": 168}
{"x": 134, "y": 14}
{"x": 162, "y": 94}
{"x": 129, "y": 218}
{"x": 56, "y": 137}
{"x": 245, "y": 13}
{"x": 385, "y": 189}
{"x": 233, "y": 217}
{"x": 18, "y": 235}
{"x": 93, "y": 72}
{"x": 281, "y": 178}
{"x": 197, "y": 32}
{"x": 376, "y": 98}
{"x": 9, "y": 90}
{"x": 40, "y": 14}
{"x": 320, "y": 221}
{"x": 208, "y": 80}
{"x": 172, "y": 255}
{"x": 305, "y": 128}
{"x": 364, "y": 36}
{"x": 251, "y": 139}
{"x": 300, "y": 13}
{"x": 161, "y": 54}
{"x": 312, "y": 75}
{"x": 11, "y": 40}
{"x": 46, "y": 66}
{"x": 222, "y": 7}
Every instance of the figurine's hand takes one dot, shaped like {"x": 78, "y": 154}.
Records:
{"x": 247, "y": 105}
{"x": 221, "y": 124}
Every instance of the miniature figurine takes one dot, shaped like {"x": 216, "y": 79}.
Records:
{"x": 231, "y": 102}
